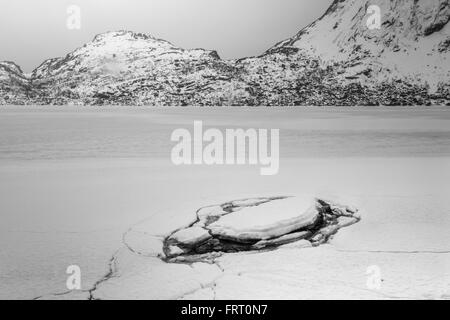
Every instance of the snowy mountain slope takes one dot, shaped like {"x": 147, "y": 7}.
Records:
{"x": 15, "y": 87}
{"x": 413, "y": 41}
{"x": 337, "y": 60}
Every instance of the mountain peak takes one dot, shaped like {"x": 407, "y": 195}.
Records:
{"x": 124, "y": 35}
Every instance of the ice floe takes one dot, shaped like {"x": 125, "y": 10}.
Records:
{"x": 259, "y": 223}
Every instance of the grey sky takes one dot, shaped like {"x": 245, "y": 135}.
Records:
{"x": 34, "y": 30}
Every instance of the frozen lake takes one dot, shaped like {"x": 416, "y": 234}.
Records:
{"x": 44, "y": 133}
{"x": 73, "y": 180}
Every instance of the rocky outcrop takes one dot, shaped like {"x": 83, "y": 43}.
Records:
{"x": 337, "y": 60}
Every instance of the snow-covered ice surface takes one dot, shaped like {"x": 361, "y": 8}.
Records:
{"x": 96, "y": 188}
{"x": 336, "y": 270}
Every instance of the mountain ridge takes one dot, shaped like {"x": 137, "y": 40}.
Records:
{"x": 336, "y": 60}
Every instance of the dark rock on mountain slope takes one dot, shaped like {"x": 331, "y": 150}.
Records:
{"x": 337, "y": 60}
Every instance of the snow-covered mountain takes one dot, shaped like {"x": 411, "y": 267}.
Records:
{"x": 407, "y": 55}
{"x": 132, "y": 68}
{"x": 337, "y": 60}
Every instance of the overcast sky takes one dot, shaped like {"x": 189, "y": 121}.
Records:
{"x": 34, "y": 30}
